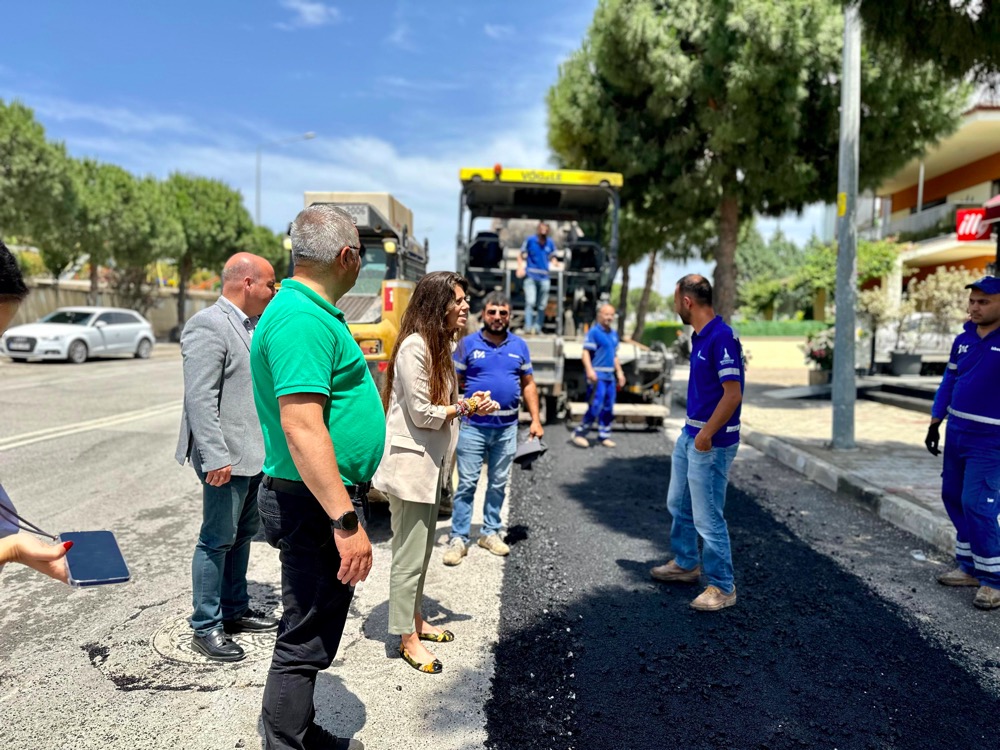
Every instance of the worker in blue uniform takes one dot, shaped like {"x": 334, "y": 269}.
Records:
{"x": 705, "y": 451}
{"x": 494, "y": 360}
{"x": 967, "y": 397}
{"x": 604, "y": 377}
{"x": 533, "y": 266}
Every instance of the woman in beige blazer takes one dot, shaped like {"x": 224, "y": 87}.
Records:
{"x": 422, "y": 404}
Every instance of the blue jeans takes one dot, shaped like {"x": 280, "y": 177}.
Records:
{"x": 696, "y": 497}
{"x": 600, "y": 408}
{"x": 536, "y": 297}
{"x": 970, "y": 488}
{"x": 496, "y": 446}
{"x": 219, "y": 568}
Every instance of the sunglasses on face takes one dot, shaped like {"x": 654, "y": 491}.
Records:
{"x": 360, "y": 249}
{"x": 498, "y": 313}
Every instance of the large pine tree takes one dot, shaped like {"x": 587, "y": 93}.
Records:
{"x": 729, "y": 108}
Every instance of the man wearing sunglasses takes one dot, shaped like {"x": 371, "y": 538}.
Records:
{"x": 494, "y": 360}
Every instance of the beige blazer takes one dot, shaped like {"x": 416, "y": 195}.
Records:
{"x": 419, "y": 438}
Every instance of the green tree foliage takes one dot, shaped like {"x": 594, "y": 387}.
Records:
{"x": 959, "y": 36}
{"x": 35, "y": 187}
{"x": 819, "y": 268}
{"x": 215, "y": 225}
{"x": 729, "y": 108}
{"x": 158, "y": 234}
{"x": 767, "y": 274}
{"x": 109, "y": 216}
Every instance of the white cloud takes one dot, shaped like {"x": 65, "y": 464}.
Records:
{"x": 120, "y": 119}
{"x": 308, "y": 14}
{"x": 498, "y": 31}
{"x": 425, "y": 178}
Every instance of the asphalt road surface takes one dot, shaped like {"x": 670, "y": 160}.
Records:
{"x": 840, "y": 637}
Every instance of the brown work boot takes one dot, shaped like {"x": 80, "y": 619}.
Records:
{"x": 580, "y": 441}
{"x": 674, "y": 573}
{"x": 712, "y": 599}
{"x": 608, "y": 443}
{"x": 987, "y": 598}
{"x": 957, "y": 577}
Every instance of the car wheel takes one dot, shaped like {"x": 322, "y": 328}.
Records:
{"x": 77, "y": 353}
{"x": 144, "y": 349}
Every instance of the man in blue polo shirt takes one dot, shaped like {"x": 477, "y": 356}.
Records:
{"x": 971, "y": 477}
{"x": 699, "y": 471}
{"x": 533, "y": 267}
{"x": 497, "y": 361}
{"x": 604, "y": 377}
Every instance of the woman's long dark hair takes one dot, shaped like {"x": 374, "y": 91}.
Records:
{"x": 426, "y": 315}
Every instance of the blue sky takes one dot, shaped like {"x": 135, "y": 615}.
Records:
{"x": 400, "y": 93}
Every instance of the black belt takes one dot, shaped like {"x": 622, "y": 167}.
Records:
{"x": 290, "y": 487}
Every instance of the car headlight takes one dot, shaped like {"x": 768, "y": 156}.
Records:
{"x": 51, "y": 338}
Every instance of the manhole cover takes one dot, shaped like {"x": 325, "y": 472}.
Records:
{"x": 173, "y": 642}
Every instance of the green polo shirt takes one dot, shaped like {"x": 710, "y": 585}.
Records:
{"x": 302, "y": 345}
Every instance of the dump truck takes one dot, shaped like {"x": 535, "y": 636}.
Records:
{"x": 394, "y": 261}
{"x": 584, "y": 209}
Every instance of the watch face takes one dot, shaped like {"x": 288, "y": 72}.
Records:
{"x": 349, "y": 521}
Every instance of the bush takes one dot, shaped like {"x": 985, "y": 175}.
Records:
{"x": 31, "y": 264}
{"x": 665, "y": 331}
{"x": 747, "y": 328}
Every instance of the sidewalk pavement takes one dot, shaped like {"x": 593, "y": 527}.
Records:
{"x": 890, "y": 472}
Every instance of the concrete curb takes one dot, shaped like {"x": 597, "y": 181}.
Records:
{"x": 897, "y": 509}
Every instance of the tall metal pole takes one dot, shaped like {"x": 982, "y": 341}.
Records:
{"x": 304, "y": 137}
{"x": 844, "y": 384}
{"x": 256, "y": 212}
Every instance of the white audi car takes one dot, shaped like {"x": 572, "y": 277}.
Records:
{"x": 78, "y": 333}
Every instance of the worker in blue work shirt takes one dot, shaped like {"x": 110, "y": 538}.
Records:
{"x": 704, "y": 451}
{"x": 604, "y": 378}
{"x": 496, "y": 361}
{"x": 533, "y": 267}
{"x": 967, "y": 397}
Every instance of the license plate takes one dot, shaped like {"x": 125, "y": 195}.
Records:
{"x": 19, "y": 346}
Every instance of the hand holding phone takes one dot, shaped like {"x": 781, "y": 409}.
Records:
{"x": 94, "y": 559}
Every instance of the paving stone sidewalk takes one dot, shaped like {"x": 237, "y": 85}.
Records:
{"x": 890, "y": 472}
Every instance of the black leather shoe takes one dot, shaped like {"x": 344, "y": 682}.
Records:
{"x": 216, "y": 646}
{"x": 252, "y": 620}
{"x": 317, "y": 738}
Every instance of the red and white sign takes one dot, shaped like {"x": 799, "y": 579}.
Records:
{"x": 387, "y": 299}
{"x": 969, "y": 225}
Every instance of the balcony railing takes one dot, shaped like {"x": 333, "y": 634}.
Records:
{"x": 927, "y": 220}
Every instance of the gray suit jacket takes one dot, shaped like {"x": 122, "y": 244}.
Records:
{"x": 219, "y": 426}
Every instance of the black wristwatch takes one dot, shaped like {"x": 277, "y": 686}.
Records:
{"x": 347, "y": 522}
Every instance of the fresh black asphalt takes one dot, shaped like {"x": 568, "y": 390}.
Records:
{"x": 832, "y": 643}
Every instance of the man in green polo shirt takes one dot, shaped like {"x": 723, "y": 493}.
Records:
{"x": 324, "y": 428}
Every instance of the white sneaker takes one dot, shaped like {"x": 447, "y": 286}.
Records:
{"x": 455, "y": 552}
{"x": 581, "y": 441}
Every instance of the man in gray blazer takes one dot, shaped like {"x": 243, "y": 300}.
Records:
{"x": 221, "y": 436}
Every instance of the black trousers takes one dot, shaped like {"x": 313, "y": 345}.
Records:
{"x": 315, "y": 610}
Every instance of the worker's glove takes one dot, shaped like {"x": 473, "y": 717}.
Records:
{"x": 933, "y": 439}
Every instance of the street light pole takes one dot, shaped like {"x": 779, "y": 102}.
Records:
{"x": 844, "y": 382}
{"x": 304, "y": 137}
